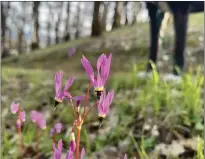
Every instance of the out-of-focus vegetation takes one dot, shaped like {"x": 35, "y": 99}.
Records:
{"x": 150, "y": 118}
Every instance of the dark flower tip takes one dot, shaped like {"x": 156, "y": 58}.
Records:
{"x": 98, "y": 94}
{"x": 100, "y": 121}
{"x": 56, "y": 103}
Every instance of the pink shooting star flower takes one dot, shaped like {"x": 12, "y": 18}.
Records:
{"x": 56, "y": 129}
{"x": 60, "y": 95}
{"x": 70, "y": 154}
{"x": 57, "y": 151}
{"x": 38, "y": 118}
{"x": 103, "y": 70}
{"x": 15, "y": 108}
{"x": 104, "y": 104}
{"x": 72, "y": 146}
{"x": 71, "y": 51}
{"x": 22, "y": 116}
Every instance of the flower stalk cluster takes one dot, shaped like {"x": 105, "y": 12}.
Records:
{"x": 21, "y": 117}
{"x": 103, "y": 102}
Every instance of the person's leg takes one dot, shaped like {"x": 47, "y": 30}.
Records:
{"x": 156, "y": 18}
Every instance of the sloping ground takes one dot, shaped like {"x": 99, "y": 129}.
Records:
{"x": 128, "y": 43}
{"x": 145, "y": 114}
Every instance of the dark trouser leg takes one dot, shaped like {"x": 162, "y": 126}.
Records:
{"x": 156, "y": 18}
{"x": 180, "y": 25}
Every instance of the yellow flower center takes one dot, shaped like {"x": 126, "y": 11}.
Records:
{"x": 99, "y": 89}
{"x": 58, "y": 100}
{"x": 101, "y": 115}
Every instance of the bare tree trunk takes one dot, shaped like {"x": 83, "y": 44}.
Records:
{"x": 48, "y": 33}
{"x": 96, "y": 25}
{"x": 77, "y": 25}
{"x": 9, "y": 29}
{"x": 49, "y": 24}
{"x": 117, "y": 17}
{"x": 20, "y": 41}
{"x": 67, "y": 33}
{"x": 104, "y": 17}
{"x": 125, "y": 12}
{"x": 35, "y": 43}
{"x": 58, "y": 23}
{"x": 10, "y": 38}
{"x": 136, "y": 9}
{"x": 3, "y": 30}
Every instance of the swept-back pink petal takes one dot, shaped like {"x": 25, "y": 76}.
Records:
{"x": 60, "y": 145}
{"x": 66, "y": 94}
{"x": 105, "y": 102}
{"x": 108, "y": 101}
{"x": 79, "y": 98}
{"x": 58, "y": 127}
{"x": 14, "y": 107}
{"x": 88, "y": 68}
{"x": 58, "y": 79}
{"x": 69, "y": 83}
{"x": 72, "y": 146}
{"x": 101, "y": 103}
{"x": 100, "y": 61}
{"x": 98, "y": 82}
{"x": 106, "y": 68}
{"x": 22, "y": 116}
{"x": 70, "y": 155}
{"x": 82, "y": 154}
{"x": 57, "y": 151}
{"x": 125, "y": 157}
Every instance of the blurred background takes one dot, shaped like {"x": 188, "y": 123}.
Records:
{"x": 148, "y": 117}
{"x": 30, "y": 25}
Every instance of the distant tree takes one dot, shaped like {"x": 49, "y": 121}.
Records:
{"x": 3, "y": 30}
{"x": 19, "y": 17}
{"x": 35, "y": 40}
{"x": 125, "y": 12}
{"x": 59, "y": 9}
{"x": 78, "y": 20}
{"x": 67, "y": 32}
{"x": 136, "y": 9}
{"x": 117, "y": 16}
{"x": 8, "y": 28}
{"x": 49, "y": 23}
{"x": 96, "y": 25}
{"x": 104, "y": 16}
